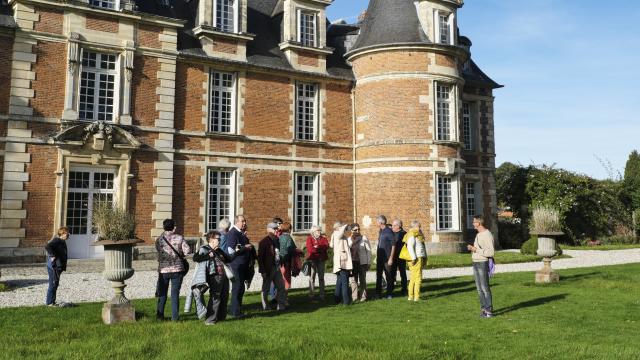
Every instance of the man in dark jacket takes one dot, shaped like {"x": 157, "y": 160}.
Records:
{"x": 384, "y": 259}
{"x": 399, "y": 265}
{"x": 269, "y": 267}
{"x": 56, "y": 249}
{"x": 238, "y": 245}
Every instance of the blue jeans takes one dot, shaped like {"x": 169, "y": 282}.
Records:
{"x": 481, "y": 275}
{"x": 342, "y": 287}
{"x": 54, "y": 281}
{"x": 163, "y": 288}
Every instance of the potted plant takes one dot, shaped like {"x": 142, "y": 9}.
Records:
{"x": 545, "y": 223}
{"x": 116, "y": 232}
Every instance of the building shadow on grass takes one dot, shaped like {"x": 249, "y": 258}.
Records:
{"x": 530, "y": 303}
{"x": 578, "y": 276}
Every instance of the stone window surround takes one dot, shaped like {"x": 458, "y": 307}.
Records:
{"x": 122, "y": 98}
{"x": 291, "y": 24}
{"x": 236, "y": 15}
{"x": 453, "y": 110}
{"x": 455, "y": 202}
{"x": 207, "y": 16}
{"x": 317, "y": 109}
{"x": 299, "y": 26}
{"x": 316, "y": 201}
{"x": 452, "y": 19}
{"x": 234, "y": 198}
{"x": 236, "y": 100}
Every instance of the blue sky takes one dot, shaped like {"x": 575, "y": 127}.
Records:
{"x": 571, "y": 75}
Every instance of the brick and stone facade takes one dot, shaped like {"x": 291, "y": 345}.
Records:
{"x": 129, "y": 104}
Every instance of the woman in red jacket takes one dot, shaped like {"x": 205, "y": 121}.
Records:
{"x": 317, "y": 246}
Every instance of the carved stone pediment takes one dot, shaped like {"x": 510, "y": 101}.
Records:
{"x": 98, "y": 136}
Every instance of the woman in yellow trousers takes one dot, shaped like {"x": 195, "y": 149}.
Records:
{"x": 416, "y": 256}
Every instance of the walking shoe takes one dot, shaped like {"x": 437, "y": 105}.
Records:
{"x": 209, "y": 323}
{"x": 389, "y": 297}
{"x": 410, "y": 298}
{"x": 416, "y": 299}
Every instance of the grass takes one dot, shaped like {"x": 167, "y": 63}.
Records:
{"x": 568, "y": 320}
{"x": 4, "y": 287}
{"x": 461, "y": 260}
{"x": 601, "y": 247}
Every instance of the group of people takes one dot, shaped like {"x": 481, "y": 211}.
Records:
{"x": 225, "y": 265}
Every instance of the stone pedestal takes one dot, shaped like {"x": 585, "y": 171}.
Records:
{"x": 117, "y": 313}
{"x": 547, "y": 275}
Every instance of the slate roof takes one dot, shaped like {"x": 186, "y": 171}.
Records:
{"x": 390, "y": 22}
{"x": 474, "y": 76}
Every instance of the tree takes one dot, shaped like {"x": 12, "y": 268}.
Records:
{"x": 631, "y": 182}
{"x": 511, "y": 182}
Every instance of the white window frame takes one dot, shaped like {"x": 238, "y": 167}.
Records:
{"x": 454, "y": 224}
{"x": 315, "y": 193}
{"x": 232, "y": 90}
{"x": 212, "y": 224}
{"x": 116, "y": 85}
{"x": 102, "y": 3}
{"x": 467, "y": 126}
{"x": 235, "y": 16}
{"x": 437, "y": 23}
{"x": 471, "y": 202}
{"x": 300, "y": 135}
{"x": 299, "y": 29}
{"x": 452, "y": 104}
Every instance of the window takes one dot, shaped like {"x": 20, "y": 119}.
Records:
{"x": 471, "y": 203}
{"x": 307, "y": 28}
{"x": 306, "y": 111}
{"x": 98, "y": 86}
{"x": 220, "y": 197}
{"x": 306, "y": 202}
{"x": 443, "y": 106}
{"x": 447, "y": 203}
{"x": 445, "y": 35}
{"x": 222, "y": 105}
{"x": 467, "y": 129}
{"x": 225, "y": 15}
{"x": 109, "y": 4}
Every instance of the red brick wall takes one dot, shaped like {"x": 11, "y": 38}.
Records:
{"x": 445, "y": 60}
{"x": 148, "y": 36}
{"x": 266, "y": 194}
{"x": 41, "y": 186}
{"x": 186, "y": 194}
{"x": 143, "y": 92}
{"x": 308, "y": 59}
{"x": 50, "y": 20}
{"x": 339, "y": 199}
{"x": 189, "y": 97}
{"x": 6, "y": 48}
{"x": 339, "y": 121}
{"x": 99, "y": 23}
{"x": 225, "y": 46}
{"x": 141, "y": 193}
{"x": 267, "y": 109}
{"x": 390, "y": 62}
{"x": 1, "y": 166}
{"x": 49, "y": 85}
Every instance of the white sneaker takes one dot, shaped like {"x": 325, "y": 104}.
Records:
{"x": 410, "y": 298}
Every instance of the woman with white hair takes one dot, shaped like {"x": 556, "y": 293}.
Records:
{"x": 417, "y": 258}
{"x": 342, "y": 263}
{"x": 317, "y": 246}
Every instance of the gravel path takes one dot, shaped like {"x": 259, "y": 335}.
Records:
{"x": 83, "y": 282}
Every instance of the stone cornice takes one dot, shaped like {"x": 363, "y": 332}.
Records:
{"x": 453, "y": 50}
{"x": 291, "y": 45}
{"x": 205, "y": 30}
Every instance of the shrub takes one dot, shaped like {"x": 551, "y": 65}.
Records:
{"x": 530, "y": 247}
{"x": 113, "y": 223}
{"x": 511, "y": 234}
{"x": 619, "y": 240}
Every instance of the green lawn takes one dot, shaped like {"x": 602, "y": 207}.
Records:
{"x": 460, "y": 260}
{"x": 3, "y": 287}
{"x": 569, "y": 320}
{"x": 601, "y": 247}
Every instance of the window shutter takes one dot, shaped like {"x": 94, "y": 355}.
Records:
{"x": 452, "y": 28}
{"x": 299, "y": 25}
{"x": 214, "y": 12}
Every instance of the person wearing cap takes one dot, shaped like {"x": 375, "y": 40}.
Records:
{"x": 269, "y": 267}
{"x": 342, "y": 263}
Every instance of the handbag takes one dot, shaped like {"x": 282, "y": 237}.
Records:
{"x": 306, "y": 268}
{"x": 228, "y": 272}
{"x": 185, "y": 263}
{"x": 404, "y": 253}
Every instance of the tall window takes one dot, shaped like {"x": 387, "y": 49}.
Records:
{"x": 444, "y": 27}
{"x": 467, "y": 133}
{"x": 307, "y": 28}
{"x": 306, "y": 203}
{"x": 222, "y": 103}
{"x": 225, "y": 15}
{"x": 97, "y": 86}
{"x": 448, "y": 207}
{"x": 470, "y": 194}
{"x": 306, "y": 111}
{"x": 443, "y": 106}
{"x": 220, "y": 196}
{"x": 109, "y": 4}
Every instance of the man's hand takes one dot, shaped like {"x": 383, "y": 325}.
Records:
{"x": 471, "y": 248}
{"x": 390, "y": 262}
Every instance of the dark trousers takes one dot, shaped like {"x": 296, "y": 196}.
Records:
{"x": 237, "y": 289}
{"x": 218, "y": 297}
{"x": 163, "y": 287}
{"x": 342, "y": 287}
{"x": 54, "y": 281}
{"x": 400, "y": 266}
{"x": 382, "y": 268}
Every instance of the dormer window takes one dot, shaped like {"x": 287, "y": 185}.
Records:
{"x": 445, "y": 36}
{"x": 107, "y": 4}
{"x": 225, "y": 15}
{"x": 307, "y": 29}
{"x": 443, "y": 26}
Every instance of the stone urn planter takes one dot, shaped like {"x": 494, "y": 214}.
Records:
{"x": 547, "y": 249}
{"x": 118, "y": 258}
